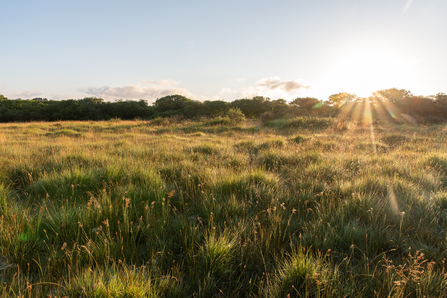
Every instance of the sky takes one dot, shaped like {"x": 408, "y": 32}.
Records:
{"x": 221, "y": 49}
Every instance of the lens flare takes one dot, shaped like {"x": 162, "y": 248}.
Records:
{"x": 393, "y": 200}
{"x": 391, "y": 113}
{"x": 409, "y": 118}
{"x": 318, "y": 105}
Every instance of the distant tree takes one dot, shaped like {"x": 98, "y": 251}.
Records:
{"x": 306, "y": 103}
{"x": 92, "y": 100}
{"x": 143, "y": 103}
{"x": 216, "y": 107}
{"x": 126, "y": 110}
{"x": 170, "y": 103}
{"x": 342, "y": 98}
{"x": 440, "y": 105}
{"x": 279, "y": 107}
{"x": 192, "y": 109}
{"x": 394, "y": 95}
{"x": 253, "y": 107}
{"x": 440, "y": 97}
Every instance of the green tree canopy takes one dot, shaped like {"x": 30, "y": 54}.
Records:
{"x": 171, "y": 103}
{"x": 306, "y": 103}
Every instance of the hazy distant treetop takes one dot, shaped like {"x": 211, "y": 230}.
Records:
{"x": 341, "y": 98}
{"x": 305, "y": 102}
{"x": 441, "y": 97}
{"x": 394, "y": 94}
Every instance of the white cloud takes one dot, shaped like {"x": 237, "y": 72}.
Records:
{"x": 272, "y": 87}
{"x": 26, "y": 94}
{"x": 225, "y": 91}
{"x": 274, "y": 83}
{"x": 59, "y": 96}
{"x": 227, "y": 94}
{"x": 147, "y": 90}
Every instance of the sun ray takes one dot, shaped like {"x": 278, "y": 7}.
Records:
{"x": 371, "y": 127}
{"x": 358, "y": 113}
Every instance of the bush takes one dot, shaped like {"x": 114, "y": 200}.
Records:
{"x": 235, "y": 115}
{"x": 265, "y": 117}
{"x": 159, "y": 121}
{"x": 219, "y": 121}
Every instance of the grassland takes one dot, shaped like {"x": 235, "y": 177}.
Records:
{"x": 304, "y": 207}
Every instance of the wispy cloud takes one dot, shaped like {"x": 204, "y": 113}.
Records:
{"x": 147, "y": 90}
{"x": 26, "y": 94}
{"x": 407, "y": 6}
{"x": 227, "y": 94}
{"x": 274, "y": 83}
{"x": 59, "y": 96}
{"x": 272, "y": 87}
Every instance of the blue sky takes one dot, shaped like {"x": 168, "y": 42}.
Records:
{"x": 210, "y": 50}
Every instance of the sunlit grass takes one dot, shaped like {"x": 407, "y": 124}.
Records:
{"x": 301, "y": 207}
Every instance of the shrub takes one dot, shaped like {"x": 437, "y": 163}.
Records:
{"x": 115, "y": 119}
{"x": 219, "y": 121}
{"x": 235, "y": 115}
{"x": 265, "y": 117}
{"x": 159, "y": 121}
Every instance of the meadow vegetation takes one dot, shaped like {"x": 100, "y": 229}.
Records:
{"x": 304, "y": 207}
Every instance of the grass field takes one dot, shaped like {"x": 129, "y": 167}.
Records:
{"x": 303, "y": 207}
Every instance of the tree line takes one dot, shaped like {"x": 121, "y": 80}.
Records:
{"x": 392, "y": 101}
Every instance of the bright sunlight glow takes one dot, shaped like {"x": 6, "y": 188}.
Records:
{"x": 363, "y": 71}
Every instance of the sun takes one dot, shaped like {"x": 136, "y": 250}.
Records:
{"x": 363, "y": 71}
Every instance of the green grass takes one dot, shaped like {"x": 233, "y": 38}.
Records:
{"x": 164, "y": 208}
